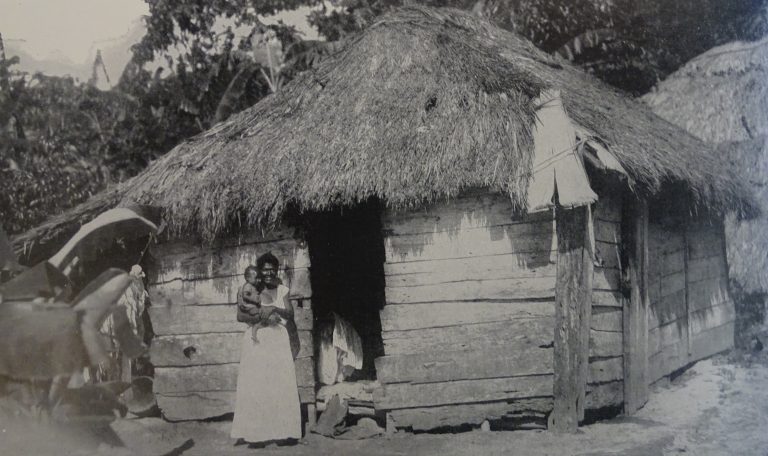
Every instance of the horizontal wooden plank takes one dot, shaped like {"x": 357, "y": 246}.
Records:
{"x": 191, "y": 262}
{"x": 472, "y": 290}
{"x": 476, "y": 268}
{"x": 605, "y": 344}
{"x": 495, "y": 240}
{"x": 216, "y": 377}
{"x": 606, "y": 319}
{"x": 670, "y": 263}
{"x": 703, "y": 240}
{"x": 403, "y": 395}
{"x": 672, "y": 283}
{"x": 404, "y": 317}
{"x": 607, "y": 299}
{"x": 668, "y": 360}
{"x": 464, "y": 365}
{"x": 520, "y": 334}
{"x": 220, "y": 290}
{"x": 608, "y": 208}
{"x": 711, "y": 341}
{"x": 605, "y": 395}
{"x": 669, "y": 334}
{"x": 607, "y": 255}
{"x": 215, "y": 348}
{"x": 707, "y": 293}
{"x": 654, "y": 289}
{"x": 712, "y": 267}
{"x": 705, "y": 319}
{"x": 607, "y": 231}
{"x": 427, "y": 418}
{"x": 667, "y": 309}
{"x": 606, "y": 279}
{"x": 606, "y": 370}
{"x": 199, "y": 405}
{"x": 209, "y": 319}
{"x": 464, "y": 212}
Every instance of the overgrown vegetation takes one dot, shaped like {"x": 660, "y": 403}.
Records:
{"x": 201, "y": 61}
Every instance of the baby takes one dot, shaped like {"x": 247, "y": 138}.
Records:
{"x": 249, "y": 301}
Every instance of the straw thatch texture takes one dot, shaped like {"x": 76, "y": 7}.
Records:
{"x": 721, "y": 96}
{"x": 422, "y": 104}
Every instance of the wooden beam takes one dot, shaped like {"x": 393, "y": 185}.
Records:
{"x": 573, "y": 300}
{"x": 636, "y": 310}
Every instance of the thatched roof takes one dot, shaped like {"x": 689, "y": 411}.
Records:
{"x": 721, "y": 96}
{"x": 422, "y": 104}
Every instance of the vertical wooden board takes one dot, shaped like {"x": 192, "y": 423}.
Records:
{"x": 636, "y": 310}
{"x": 572, "y": 315}
{"x": 609, "y": 232}
{"x": 608, "y": 208}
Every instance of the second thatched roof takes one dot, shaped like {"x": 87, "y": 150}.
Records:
{"x": 721, "y": 97}
{"x": 422, "y": 104}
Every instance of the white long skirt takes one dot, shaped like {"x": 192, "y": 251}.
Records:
{"x": 267, "y": 400}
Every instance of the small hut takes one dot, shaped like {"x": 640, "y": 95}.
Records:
{"x": 721, "y": 97}
{"x": 484, "y": 214}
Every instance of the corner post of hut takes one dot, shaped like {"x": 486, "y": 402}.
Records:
{"x": 636, "y": 306}
{"x": 573, "y": 303}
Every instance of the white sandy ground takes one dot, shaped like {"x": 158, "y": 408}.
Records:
{"x": 714, "y": 408}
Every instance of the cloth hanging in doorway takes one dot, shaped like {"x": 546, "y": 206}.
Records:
{"x": 341, "y": 351}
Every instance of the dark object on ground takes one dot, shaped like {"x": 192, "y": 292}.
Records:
{"x": 331, "y": 418}
{"x": 364, "y": 429}
{"x": 181, "y": 448}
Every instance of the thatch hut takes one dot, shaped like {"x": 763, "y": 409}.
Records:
{"x": 721, "y": 97}
{"x": 478, "y": 209}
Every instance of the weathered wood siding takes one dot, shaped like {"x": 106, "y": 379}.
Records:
{"x": 196, "y": 349}
{"x": 468, "y": 324}
{"x": 606, "y": 369}
{"x": 692, "y": 313}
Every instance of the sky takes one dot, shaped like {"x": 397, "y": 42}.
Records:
{"x": 69, "y": 29}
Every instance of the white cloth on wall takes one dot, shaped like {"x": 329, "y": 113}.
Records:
{"x": 341, "y": 351}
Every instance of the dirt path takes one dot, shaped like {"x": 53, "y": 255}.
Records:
{"x": 715, "y": 408}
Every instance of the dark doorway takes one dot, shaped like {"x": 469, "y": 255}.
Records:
{"x": 346, "y": 248}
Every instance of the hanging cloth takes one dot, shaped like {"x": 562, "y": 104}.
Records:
{"x": 556, "y": 164}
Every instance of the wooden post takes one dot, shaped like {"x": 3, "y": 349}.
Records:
{"x": 636, "y": 311}
{"x": 573, "y": 308}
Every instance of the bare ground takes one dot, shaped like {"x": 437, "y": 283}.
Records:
{"x": 717, "y": 407}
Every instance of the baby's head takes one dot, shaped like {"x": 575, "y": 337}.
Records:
{"x": 251, "y": 275}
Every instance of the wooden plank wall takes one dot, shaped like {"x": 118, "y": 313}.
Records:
{"x": 692, "y": 313}
{"x": 196, "y": 349}
{"x": 606, "y": 369}
{"x": 468, "y": 324}
{"x": 712, "y": 312}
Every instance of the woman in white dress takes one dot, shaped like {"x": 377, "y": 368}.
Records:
{"x": 267, "y": 401}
